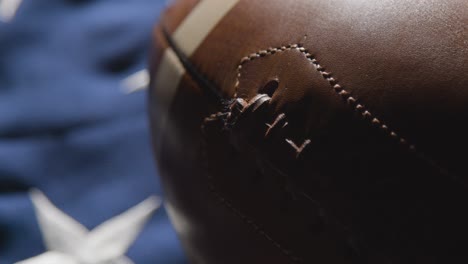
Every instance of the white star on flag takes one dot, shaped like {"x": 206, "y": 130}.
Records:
{"x": 8, "y": 9}
{"x": 69, "y": 242}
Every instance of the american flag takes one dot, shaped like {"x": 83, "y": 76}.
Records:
{"x": 76, "y": 166}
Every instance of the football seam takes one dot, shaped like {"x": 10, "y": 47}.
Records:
{"x": 352, "y": 101}
{"x": 214, "y": 92}
{"x": 346, "y": 95}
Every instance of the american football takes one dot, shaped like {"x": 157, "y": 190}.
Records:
{"x": 313, "y": 131}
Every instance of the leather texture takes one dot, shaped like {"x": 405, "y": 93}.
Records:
{"x": 339, "y": 136}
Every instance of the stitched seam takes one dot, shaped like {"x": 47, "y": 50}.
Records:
{"x": 200, "y": 79}
{"x": 345, "y": 94}
{"x": 221, "y": 199}
{"x": 361, "y": 109}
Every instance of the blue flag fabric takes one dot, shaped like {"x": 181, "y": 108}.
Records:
{"x": 67, "y": 129}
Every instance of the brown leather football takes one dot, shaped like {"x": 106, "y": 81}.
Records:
{"x": 314, "y": 131}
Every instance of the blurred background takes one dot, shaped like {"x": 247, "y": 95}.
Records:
{"x": 68, "y": 130}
